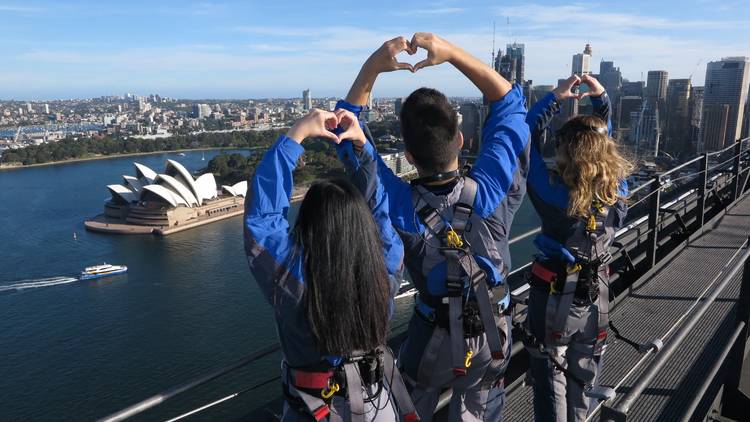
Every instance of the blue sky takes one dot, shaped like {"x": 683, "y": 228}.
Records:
{"x": 257, "y": 49}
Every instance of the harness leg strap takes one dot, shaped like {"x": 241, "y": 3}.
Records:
{"x": 354, "y": 391}
{"x": 398, "y": 389}
{"x": 558, "y": 310}
{"x": 458, "y": 348}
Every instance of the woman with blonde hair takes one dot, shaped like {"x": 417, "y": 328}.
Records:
{"x": 581, "y": 204}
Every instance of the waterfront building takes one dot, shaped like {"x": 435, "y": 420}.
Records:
{"x": 724, "y": 102}
{"x": 163, "y": 203}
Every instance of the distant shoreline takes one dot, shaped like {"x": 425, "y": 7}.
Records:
{"x": 107, "y": 157}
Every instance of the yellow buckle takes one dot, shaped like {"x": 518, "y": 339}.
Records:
{"x": 467, "y": 360}
{"x": 574, "y": 268}
{"x": 453, "y": 239}
{"x": 332, "y": 389}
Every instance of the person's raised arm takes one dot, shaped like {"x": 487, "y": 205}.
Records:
{"x": 489, "y": 82}
{"x": 505, "y": 135}
{"x": 381, "y": 61}
{"x": 266, "y": 229}
{"x": 599, "y": 100}
{"x": 363, "y": 173}
{"x": 538, "y": 119}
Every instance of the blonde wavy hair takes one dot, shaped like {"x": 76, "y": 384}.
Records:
{"x": 590, "y": 164}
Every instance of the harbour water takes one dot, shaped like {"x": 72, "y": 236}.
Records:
{"x": 79, "y": 350}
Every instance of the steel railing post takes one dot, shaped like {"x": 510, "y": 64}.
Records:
{"x": 700, "y": 217}
{"x": 653, "y": 222}
{"x": 735, "y": 403}
{"x": 736, "y": 170}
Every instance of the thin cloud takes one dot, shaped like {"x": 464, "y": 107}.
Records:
{"x": 19, "y": 9}
{"x": 431, "y": 11}
{"x": 556, "y": 15}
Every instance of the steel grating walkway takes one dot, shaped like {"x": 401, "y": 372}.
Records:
{"x": 653, "y": 308}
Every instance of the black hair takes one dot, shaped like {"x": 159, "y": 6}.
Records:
{"x": 429, "y": 126}
{"x": 347, "y": 290}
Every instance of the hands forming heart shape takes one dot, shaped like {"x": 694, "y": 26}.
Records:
{"x": 384, "y": 58}
{"x": 567, "y": 89}
{"x": 325, "y": 124}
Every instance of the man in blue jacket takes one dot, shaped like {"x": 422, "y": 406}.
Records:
{"x": 454, "y": 228}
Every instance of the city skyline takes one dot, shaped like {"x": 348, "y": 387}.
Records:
{"x": 257, "y": 50}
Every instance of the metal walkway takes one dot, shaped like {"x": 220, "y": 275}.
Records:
{"x": 654, "y": 309}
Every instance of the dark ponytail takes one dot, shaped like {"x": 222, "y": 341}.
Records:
{"x": 347, "y": 290}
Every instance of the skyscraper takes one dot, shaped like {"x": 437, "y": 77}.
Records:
{"x": 397, "y": 106}
{"x": 656, "y": 85}
{"x": 611, "y": 78}
{"x": 627, "y": 105}
{"x": 582, "y": 62}
{"x": 46, "y": 109}
{"x": 516, "y": 52}
{"x": 653, "y": 122}
{"x": 306, "y": 100}
{"x": 724, "y": 102}
{"x": 696, "y": 114}
{"x": 678, "y": 116}
{"x": 511, "y": 64}
{"x": 471, "y": 127}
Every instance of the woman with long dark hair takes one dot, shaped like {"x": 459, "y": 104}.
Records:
{"x": 581, "y": 204}
{"x": 328, "y": 280}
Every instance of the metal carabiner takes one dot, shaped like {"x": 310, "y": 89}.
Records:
{"x": 332, "y": 389}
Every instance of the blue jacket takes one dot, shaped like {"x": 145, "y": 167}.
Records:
{"x": 271, "y": 250}
{"x": 500, "y": 172}
{"x": 547, "y": 192}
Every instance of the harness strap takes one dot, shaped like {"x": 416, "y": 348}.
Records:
{"x": 458, "y": 346}
{"x": 602, "y": 304}
{"x": 354, "y": 391}
{"x": 310, "y": 380}
{"x": 430, "y": 356}
{"x": 315, "y": 406}
{"x": 558, "y": 310}
{"x": 543, "y": 273}
{"x": 397, "y": 387}
{"x": 481, "y": 291}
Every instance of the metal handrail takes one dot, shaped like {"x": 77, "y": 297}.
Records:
{"x": 181, "y": 388}
{"x": 661, "y": 359}
{"x": 711, "y": 376}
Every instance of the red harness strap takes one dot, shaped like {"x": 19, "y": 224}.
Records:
{"x": 321, "y": 412}
{"x": 542, "y": 273}
{"x": 311, "y": 380}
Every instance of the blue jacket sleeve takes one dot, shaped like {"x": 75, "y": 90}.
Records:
{"x": 266, "y": 227}
{"x": 504, "y": 138}
{"x": 363, "y": 172}
{"x": 398, "y": 192}
{"x": 603, "y": 109}
{"x": 539, "y": 118}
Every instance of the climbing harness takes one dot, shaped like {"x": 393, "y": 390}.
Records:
{"x": 311, "y": 390}
{"x": 466, "y": 293}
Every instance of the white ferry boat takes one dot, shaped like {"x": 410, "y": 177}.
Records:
{"x": 103, "y": 270}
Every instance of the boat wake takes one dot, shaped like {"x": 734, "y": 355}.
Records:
{"x": 37, "y": 283}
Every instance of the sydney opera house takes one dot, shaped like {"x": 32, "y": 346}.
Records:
{"x": 168, "y": 202}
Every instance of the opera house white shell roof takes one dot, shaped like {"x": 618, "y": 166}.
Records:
{"x": 175, "y": 187}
